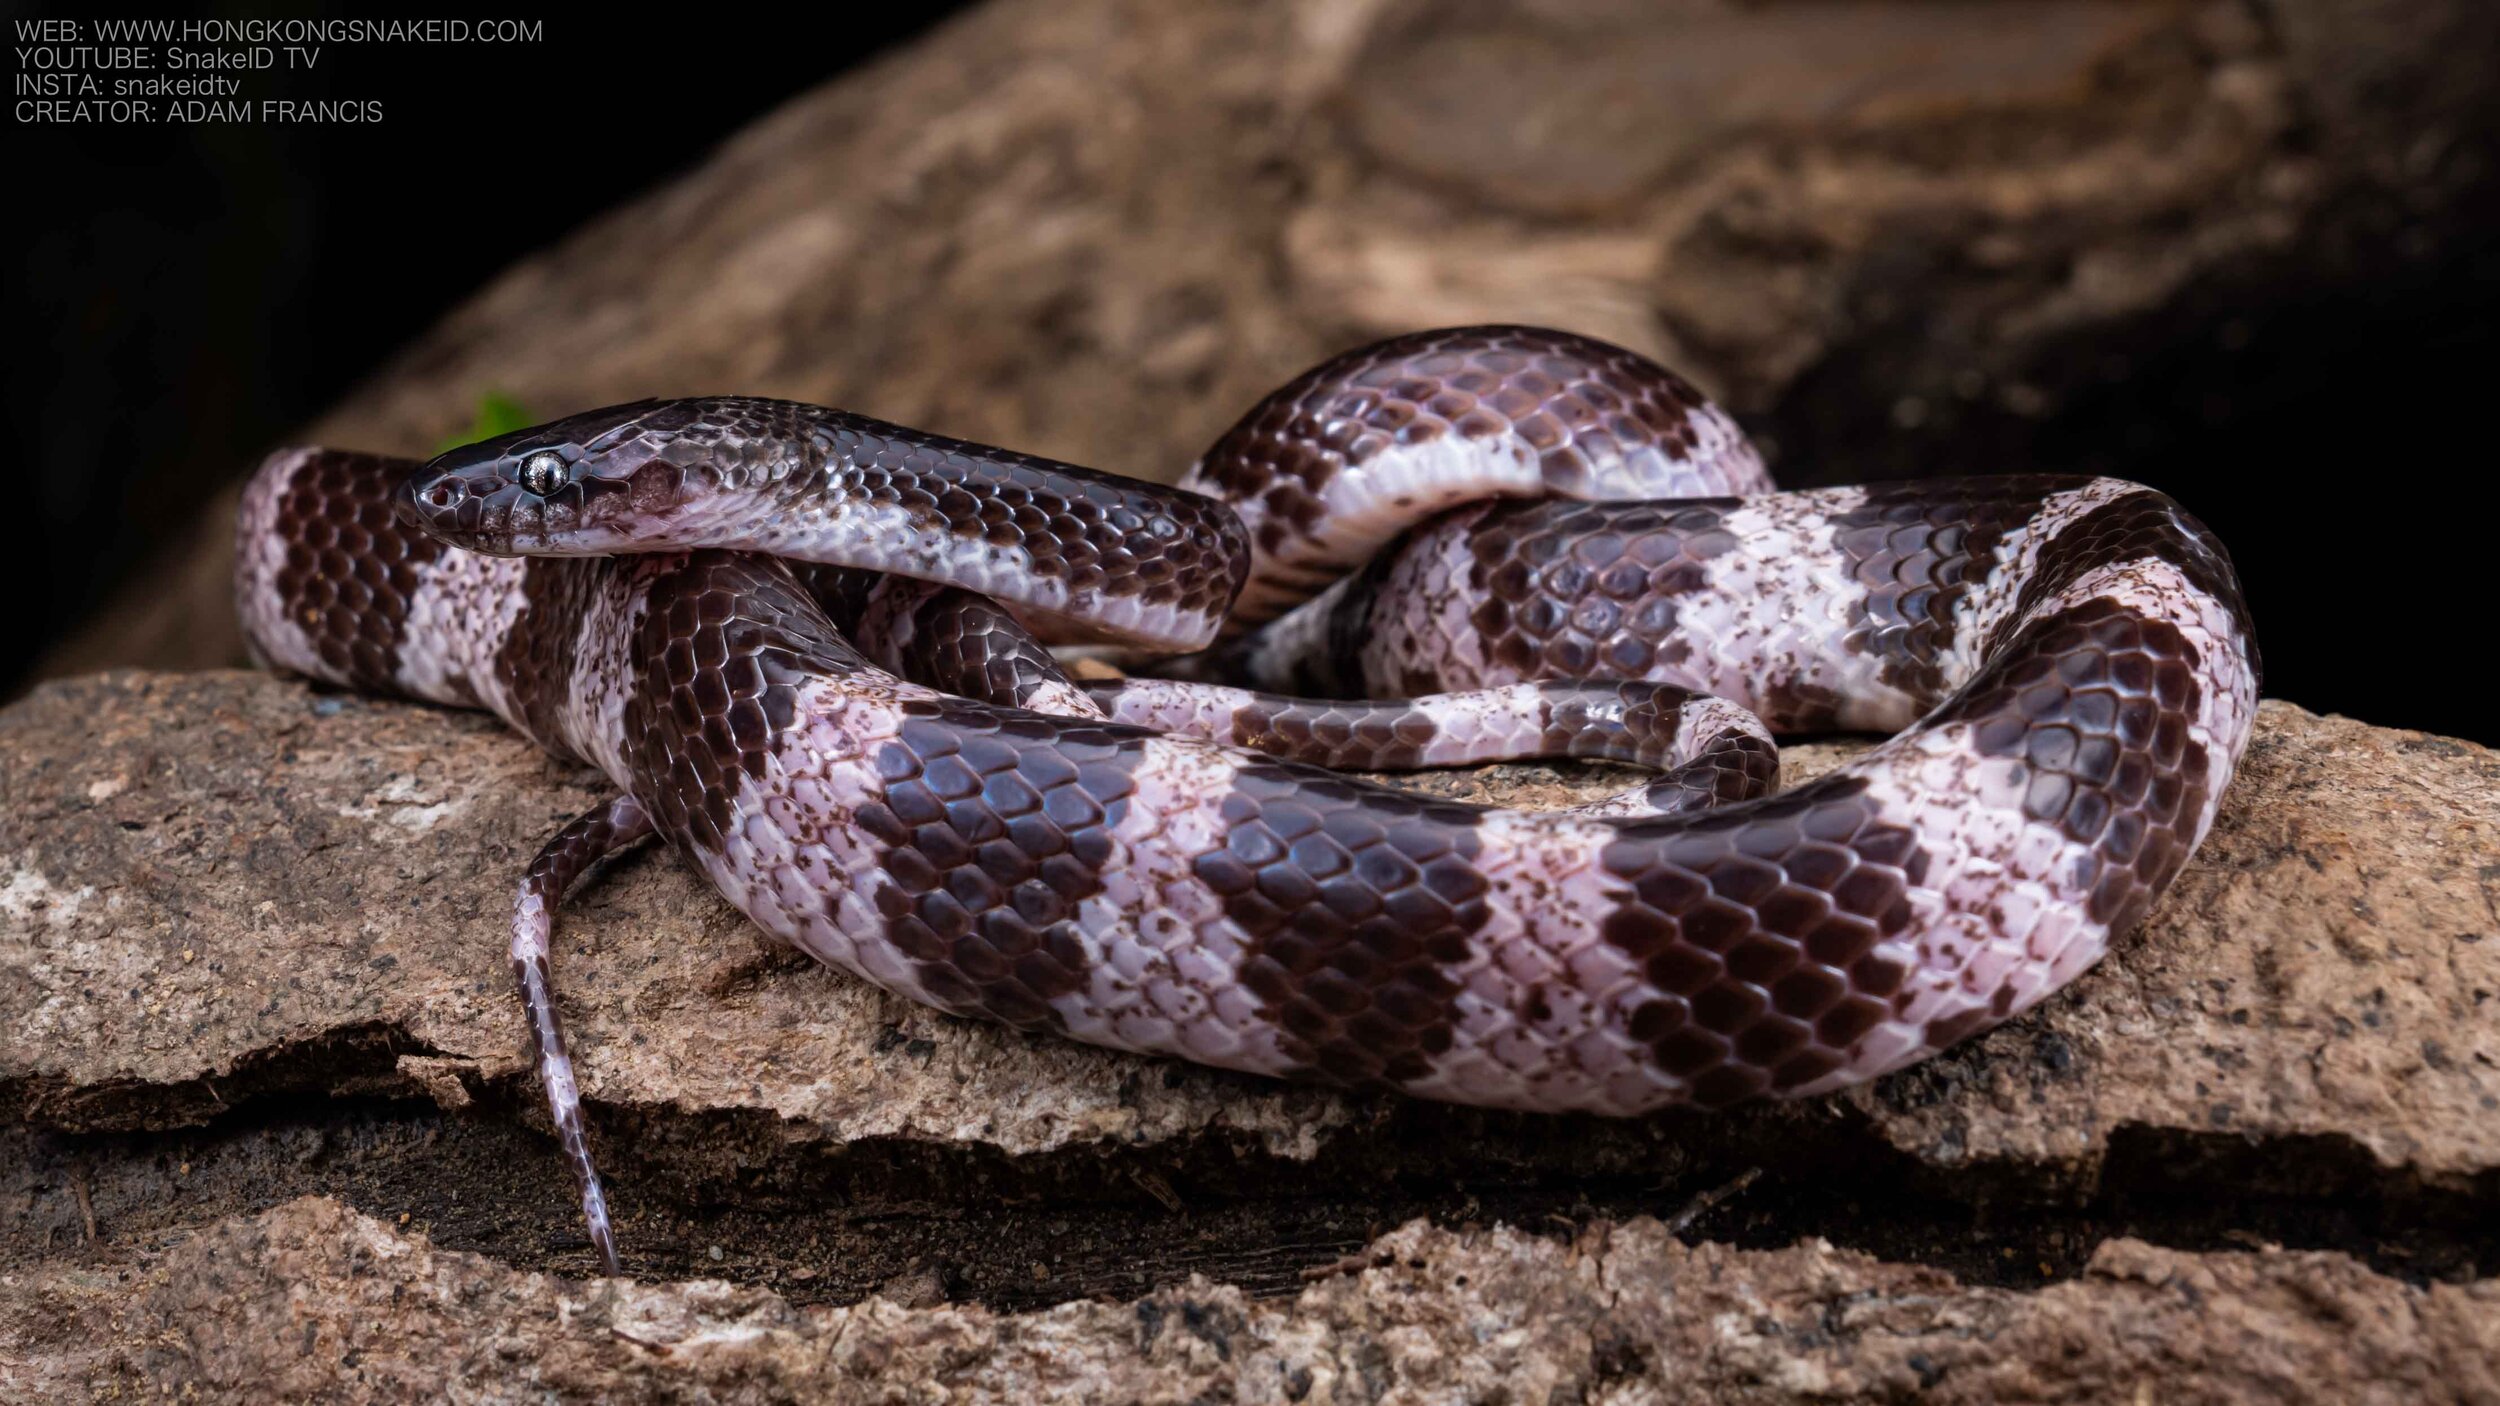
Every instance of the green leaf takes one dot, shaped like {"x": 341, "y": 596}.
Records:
{"x": 497, "y": 413}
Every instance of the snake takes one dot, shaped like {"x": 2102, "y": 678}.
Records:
{"x": 823, "y": 657}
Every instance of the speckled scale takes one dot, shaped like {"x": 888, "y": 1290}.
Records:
{"x": 349, "y": 567}
{"x": 1104, "y": 536}
{"x": 1703, "y": 594}
{"x": 1358, "y": 904}
{"x": 1368, "y": 435}
{"x": 1584, "y": 590}
{"x": 1096, "y": 555}
{"x": 962, "y": 644}
{"x": 1580, "y": 403}
{"x": 724, "y": 647}
{"x": 1756, "y": 935}
{"x": 996, "y": 832}
{"x": 1713, "y": 754}
{"x": 1916, "y": 549}
{"x": 2069, "y": 661}
{"x": 2095, "y": 702}
{"x": 2133, "y": 526}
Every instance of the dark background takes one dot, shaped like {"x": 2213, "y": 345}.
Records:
{"x": 181, "y": 297}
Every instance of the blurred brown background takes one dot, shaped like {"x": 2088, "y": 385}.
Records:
{"x": 2236, "y": 249}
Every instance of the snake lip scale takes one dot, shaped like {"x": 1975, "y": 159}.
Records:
{"x": 820, "y": 669}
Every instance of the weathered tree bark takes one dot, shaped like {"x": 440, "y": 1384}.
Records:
{"x": 1900, "y": 236}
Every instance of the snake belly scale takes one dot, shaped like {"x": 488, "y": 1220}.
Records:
{"x": 700, "y": 598}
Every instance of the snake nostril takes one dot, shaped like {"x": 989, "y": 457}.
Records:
{"x": 441, "y": 495}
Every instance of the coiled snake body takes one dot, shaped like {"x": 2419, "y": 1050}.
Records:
{"x": 817, "y": 674}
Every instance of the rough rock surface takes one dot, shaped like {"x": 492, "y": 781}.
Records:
{"x": 206, "y": 871}
{"x": 311, "y": 1300}
{"x": 1899, "y": 237}
{"x": 269, "y": 1131}
{"x": 250, "y": 942}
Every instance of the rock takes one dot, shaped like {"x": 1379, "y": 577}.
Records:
{"x": 251, "y": 950}
{"x": 209, "y": 876}
{"x": 1900, "y": 238}
{"x": 225, "y": 883}
{"x": 269, "y": 1127}
{"x": 2325, "y": 969}
{"x": 312, "y": 1300}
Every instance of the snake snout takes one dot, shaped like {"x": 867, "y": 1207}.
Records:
{"x": 422, "y": 498}
{"x": 454, "y": 507}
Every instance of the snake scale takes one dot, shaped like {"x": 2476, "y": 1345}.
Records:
{"x": 812, "y": 652}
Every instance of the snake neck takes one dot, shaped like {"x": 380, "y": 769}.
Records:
{"x": 329, "y": 584}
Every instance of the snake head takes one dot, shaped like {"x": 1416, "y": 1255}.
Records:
{"x": 629, "y": 478}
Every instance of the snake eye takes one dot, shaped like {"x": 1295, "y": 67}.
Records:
{"x": 542, "y": 473}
